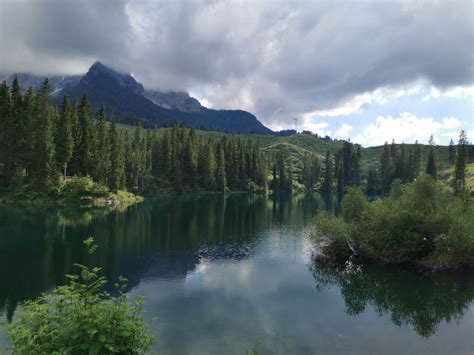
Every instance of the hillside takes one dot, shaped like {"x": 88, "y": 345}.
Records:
{"x": 297, "y": 145}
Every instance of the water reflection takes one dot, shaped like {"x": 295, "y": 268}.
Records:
{"x": 222, "y": 272}
{"x": 163, "y": 237}
{"x": 422, "y": 301}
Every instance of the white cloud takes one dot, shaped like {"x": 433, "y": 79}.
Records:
{"x": 317, "y": 127}
{"x": 379, "y": 96}
{"x": 343, "y": 132}
{"x": 455, "y": 92}
{"x": 405, "y": 128}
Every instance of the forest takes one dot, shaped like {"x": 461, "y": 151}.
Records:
{"x": 43, "y": 146}
{"x": 70, "y": 150}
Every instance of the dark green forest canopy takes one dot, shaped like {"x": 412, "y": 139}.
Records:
{"x": 41, "y": 142}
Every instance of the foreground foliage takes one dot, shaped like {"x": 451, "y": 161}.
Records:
{"x": 81, "y": 318}
{"x": 420, "y": 223}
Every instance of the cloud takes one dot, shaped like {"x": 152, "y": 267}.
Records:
{"x": 343, "y": 132}
{"x": 454, "y": 92}
{"x": 279, "y": 60}
{"x": 405, "y": 128}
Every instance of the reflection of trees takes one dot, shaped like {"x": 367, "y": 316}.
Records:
{"x": 419, "y": 300}
{"x": 164, "y": 237}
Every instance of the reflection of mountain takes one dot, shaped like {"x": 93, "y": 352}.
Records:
{"x": 164, "y": 237}
{"x": 421, "y": 301}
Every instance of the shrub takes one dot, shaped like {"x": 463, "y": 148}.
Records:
{"x": 80, "y": 318}
{"x": 420, "y": 223}
{"x": 82, "y": 187}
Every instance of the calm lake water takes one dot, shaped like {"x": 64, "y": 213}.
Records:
{"x": 222, "y": 274}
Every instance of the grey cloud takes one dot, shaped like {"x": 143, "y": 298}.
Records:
{"x": 278, "y": 59}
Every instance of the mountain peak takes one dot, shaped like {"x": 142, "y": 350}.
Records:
{"x": 101, "y": 72}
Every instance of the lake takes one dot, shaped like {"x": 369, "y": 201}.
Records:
{"x": 224, "y": 273}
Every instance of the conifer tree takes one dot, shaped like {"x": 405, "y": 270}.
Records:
{"x": 116, "y": 174}
{"x": 64, "y": 139}
{"x": 6, "y": 133}
{"x": 371, "y": 189}
{"x": 346, "y": 167}
{"x": 102, "y": 149}
{"x": 27, "y": 154}
{"x": 416, "y": 160}
{"x": 451, "y": 152}
{"x": 461, "y": 161}
{"x": 356, "y": 167}
{"x": 326, "y": 187}
{"x": 220, "y": 170}
{"x": 431, "y": 166}
{"x": 43, "y": 170}
{"x": 85, "y": 142}
{"x": 17, "y": 145}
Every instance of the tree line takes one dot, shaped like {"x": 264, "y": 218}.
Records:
{"x": 40, "y": 142}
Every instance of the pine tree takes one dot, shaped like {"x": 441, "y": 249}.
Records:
{"x": 371, "y": 189}
{"x": 5, "y": 131}
{"x": 85, "y": 139}
{"x": 28, "y": 154}
{"x": 102, "y": 149}
{"x": 461, "y": 161}
{"x": 14, "y": 136}
{"x": 116, "y": 174}
{"x": 326, "y": 187}
{"x": 356, "y": 167}
{"x": 43, "y": 174}
{"x": 416, "y": 160}
{"x": 306, "y": 177}
{"x": 451, "y": 152}
{"x": 207, "y": 167}
{"x": 64, "y": 138}
{"x": 346, "y": 168}
{"x": 386, "y": 167}
{"x": 220, "y": 170}
{"x": 431, "y": 166}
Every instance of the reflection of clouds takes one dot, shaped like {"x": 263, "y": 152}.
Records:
{"x": 224, "y": 306}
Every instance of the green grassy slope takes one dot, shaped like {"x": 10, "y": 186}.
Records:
{"x": 297, "y": 145}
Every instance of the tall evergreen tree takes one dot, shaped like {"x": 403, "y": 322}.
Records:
{"x": 43, "y": 169}
{"x": 326, "y": 187}
{"x": 85, "y": 143}
{"x": 451, "y": 152}
{"x": 116, "y": 174}
{"x": 102, "y": 149}
{"x": 371, "y": 189}
{"x": 220, "y": 170}
{"x": 64, "y": 139}
{"x": 6, "y": 133}
{"x": 431, "y": 165}
{"x": 461, "y": 161}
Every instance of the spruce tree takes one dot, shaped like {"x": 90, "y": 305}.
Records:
{"x": 85, "y": 143}
{"x": 43, "y": 170}
{"x": 451, "y": 152}
{"x": 220, "y": 170}
{"x": 64, "y": 138}
{"x": 371, "y": 189}
{"x": 461, "y": 161}
{"x": 326, "y": 187}
{"x": 116, "y": 174}
{"x": 6, "y": 134}
{"x": 28, "y": 154}
{"x": 102, "y": 149}
{"x": 431, "y": 166}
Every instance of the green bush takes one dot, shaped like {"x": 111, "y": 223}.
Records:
{"x": 80, "y": 318}
{"x": 82, "y": 187}
{"x": 421, "y": 223}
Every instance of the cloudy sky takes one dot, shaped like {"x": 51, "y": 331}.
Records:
{"x": 369, "y": 70}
